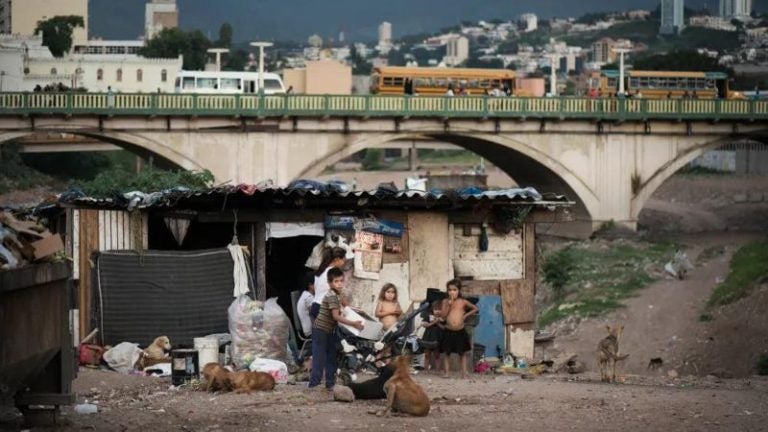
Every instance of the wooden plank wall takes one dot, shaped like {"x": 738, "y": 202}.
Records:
{"x": 88, "y": 243}
{"x": 502, "y": 260}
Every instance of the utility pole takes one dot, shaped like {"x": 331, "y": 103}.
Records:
{"x": 261, "y": 46}
{"x": 218, "y": 52}
{"x": 553, "y": 75}
{"x": 621, "y": 52}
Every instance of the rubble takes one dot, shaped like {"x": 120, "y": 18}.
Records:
{"x": 26, "y": 241}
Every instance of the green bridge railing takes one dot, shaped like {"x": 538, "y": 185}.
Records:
{"x": 379, "y": 106}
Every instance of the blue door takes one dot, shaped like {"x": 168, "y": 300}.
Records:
{"x": 490, "y": 328}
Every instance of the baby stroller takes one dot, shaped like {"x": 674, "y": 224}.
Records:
{"x": 358, "y": 354}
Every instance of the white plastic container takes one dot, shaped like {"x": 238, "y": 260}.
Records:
{"x": 207, "y": 350}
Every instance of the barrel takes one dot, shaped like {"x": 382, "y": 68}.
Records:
{"x": 207, "y": 350}
{"x": 184, "y": 366}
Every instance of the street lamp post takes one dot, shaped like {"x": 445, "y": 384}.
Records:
{"x": 553, "y": 75}
{"x": 218, "y": 52}
{"x": 621, "y": 52}
{"x": 261, "y": 46}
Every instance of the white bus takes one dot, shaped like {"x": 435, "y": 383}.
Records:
{"x": 227, "y": 82}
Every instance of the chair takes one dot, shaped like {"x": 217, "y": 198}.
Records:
{"x": 295, "y": 295}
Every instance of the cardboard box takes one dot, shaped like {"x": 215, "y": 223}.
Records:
{"x": 47, "y": 246}
{"x": 371, "y": 327}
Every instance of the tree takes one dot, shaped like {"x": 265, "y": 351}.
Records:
{"x": 225, "y": 36}
{"x": 57, "y": 32}
{"x": 680, "y": 61}
{"x": 169, "y": 43}
{"x": 236, "y": 61}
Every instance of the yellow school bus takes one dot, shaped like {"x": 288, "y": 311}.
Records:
{"x": 391, "y": 80}
{"x": 664, "y": 84}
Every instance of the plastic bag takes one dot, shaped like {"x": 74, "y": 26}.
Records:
{"x": 123, "y": 356}
{"x": 276, "y": 368}
{"x": 258, "y": 331}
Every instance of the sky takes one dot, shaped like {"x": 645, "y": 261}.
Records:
{"x": 298, "y": 19}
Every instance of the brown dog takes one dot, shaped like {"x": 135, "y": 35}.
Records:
{"x": 403, "y": 394}
{"x": 217, "y": 378}
{"x": 246, "y": 381}
{"x": 608, "y": 353}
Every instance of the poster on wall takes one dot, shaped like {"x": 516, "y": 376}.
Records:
{"x": 369, "y": 249}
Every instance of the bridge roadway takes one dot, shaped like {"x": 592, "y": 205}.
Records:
{"x": 608, "y": 155}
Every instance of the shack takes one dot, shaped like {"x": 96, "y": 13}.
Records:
{"x": 156, "y": 264}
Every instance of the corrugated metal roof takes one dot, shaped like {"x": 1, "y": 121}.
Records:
{"x": 312, "y": 195}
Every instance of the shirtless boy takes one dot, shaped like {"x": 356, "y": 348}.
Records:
{"x": 455, "y": 338}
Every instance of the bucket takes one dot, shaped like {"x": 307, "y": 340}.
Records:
{"x": 207, "y": 350}
{"x": 184, "y": 366}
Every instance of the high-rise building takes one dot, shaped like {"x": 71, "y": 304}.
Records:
{"x": 735, "y": 8}
{"x": 457, "y": 51}
{"x": 528, "y": 22}
{"x": 385, "y": 37}
{"x": 672, "y": 19}
{"x": 160, "y": 15}
{"x": 20, "y": 17}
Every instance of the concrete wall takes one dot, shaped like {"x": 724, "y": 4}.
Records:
{"x": 320, "y": 77}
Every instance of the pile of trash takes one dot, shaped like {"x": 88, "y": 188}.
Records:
{"x": 26, "y": 240}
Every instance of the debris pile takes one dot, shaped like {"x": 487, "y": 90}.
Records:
{"x": 24, "y": 241}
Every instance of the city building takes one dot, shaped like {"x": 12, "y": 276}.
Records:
{"x": 20, "y": 17}
{"x": 27, "y": 63}
{"x": 672, "y": 18}
{"x": 385, "y": 37}
{"x": 528, "y": 22}
{"x": 320, "y": 77}
{"x": 116, "y": 47}
{"x": 712, "y": 22}
{"x": 738, "y": 9}
{"x": 160, "y": 15}
{"x": 603, "y": 50}
{"x": 457, "y": 51}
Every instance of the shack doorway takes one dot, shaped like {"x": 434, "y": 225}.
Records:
{"x": 285, "y": 269}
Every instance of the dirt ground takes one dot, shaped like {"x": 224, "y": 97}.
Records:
{"x": 665, "y": 320}
{"x": 488, "y": 402}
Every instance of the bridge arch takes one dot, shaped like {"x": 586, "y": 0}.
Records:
{"x": 527, "y": 165}
{"x": 650, "y": 185}
{"x": 163, "y": 154}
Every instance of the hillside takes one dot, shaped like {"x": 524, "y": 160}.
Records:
{"x": 297, "y": 19}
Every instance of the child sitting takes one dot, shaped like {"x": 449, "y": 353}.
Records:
{"x": 324, "y": 353}
{"x": 388, "y": 309}
{"x": 455, "y": 338}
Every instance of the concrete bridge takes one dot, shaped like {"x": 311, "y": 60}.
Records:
{"x": 608, "y": 155}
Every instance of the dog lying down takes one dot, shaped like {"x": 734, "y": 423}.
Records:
{"x": 374, "y": 387}
{"x": 219, "y": 378}
{"x": 403, "y": 394}
{"x": 155, "y": 353}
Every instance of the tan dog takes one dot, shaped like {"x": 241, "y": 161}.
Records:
{"x": 217, "y": 378}
{"x": 246, "y": 381}
{"x": 608, "y": 353}
{"x": 403, "y": 394}
{"x": 159, "y": 348}
{"x": 155, "y": 353}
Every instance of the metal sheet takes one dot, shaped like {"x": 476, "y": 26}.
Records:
{"x": 490, "y": 330}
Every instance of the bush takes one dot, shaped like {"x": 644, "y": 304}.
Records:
{"x": 557, "y": 271}
{"x": 373, "y": 159}
{"x": 118, "y": 181}
{"x": 762, "y": 365}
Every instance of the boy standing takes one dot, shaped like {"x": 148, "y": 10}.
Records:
{"x": 324, "y": 331}
{"x": 455, "y": 338}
